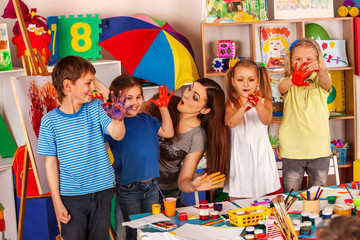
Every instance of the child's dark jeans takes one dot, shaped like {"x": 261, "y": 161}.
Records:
{"x": 293, "y": 172}
{"x": 90, "y": 216}
{"x": 134, "y": 198}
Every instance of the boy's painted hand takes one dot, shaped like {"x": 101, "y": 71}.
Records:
{"x": 117, "y": 108}
{"x": 300, "y": 74}
{"x": 163, "y": 99}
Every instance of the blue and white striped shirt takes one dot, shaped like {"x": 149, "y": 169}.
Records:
{"x": 77, "y": 141}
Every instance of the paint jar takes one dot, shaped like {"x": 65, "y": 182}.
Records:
{"x": 260, "y": 210}
{"x": 156, "y": 208}
{"x": 343, "y": 209}
{"x": 331, "y": 199}
{"x": 335, "y": 215}
{"x": 296, "y": 221}
{"x": 249, "y": 236}
{"x": 250, "y": 230}
{"x": 261, "y": 236}
{"x": 330, "y": 209}
{"x": 214, "y": 214}
{"x": 241, "y": 212}
{"x": 305, "y": 216}
{"x": 312, "y": 217}
{"x": 183, "y": 216}
{"x": 257, "y": 232}
{"x": 218, "y": 206}
{"x": 204, "y": 210}
{"x": 326, "y": 214}
{"x": 318, "y": 221}
{"x": 262, "y": 224}
{"x": 306, "y": 229}
{"x": 297, "y": 230}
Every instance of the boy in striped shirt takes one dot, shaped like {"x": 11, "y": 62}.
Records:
{"x": 82, "y": 184}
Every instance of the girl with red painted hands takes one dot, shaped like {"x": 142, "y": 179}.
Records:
{"x": 304, "y": 131}
{"x": 253, "y": 170}
{"x": 136, "y": 156}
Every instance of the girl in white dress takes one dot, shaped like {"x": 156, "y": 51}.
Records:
{"x": 253, "y": 170}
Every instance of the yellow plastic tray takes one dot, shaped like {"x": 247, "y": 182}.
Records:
{"x": 250, "y": 218}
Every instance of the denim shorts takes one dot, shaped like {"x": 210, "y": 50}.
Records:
{"x": 293, "y": 172}
{"x": 134, "y": 198}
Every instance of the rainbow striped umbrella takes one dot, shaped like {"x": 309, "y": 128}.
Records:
{"x": 149, "y": 49}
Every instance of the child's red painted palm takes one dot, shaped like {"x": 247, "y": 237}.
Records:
{"x": 117, "y": 108}
{"x": 163, "y": 99}
{"x": 253, "y": 100}
{"x": 300, "y": 74}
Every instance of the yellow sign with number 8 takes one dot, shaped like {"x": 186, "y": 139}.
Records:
{"x": 83, "y": 39}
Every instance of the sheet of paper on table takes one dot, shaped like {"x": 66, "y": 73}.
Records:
{"x": 191, "y": 210}
{"x": 146, "y": 220}
{"x": 207, "y": 232}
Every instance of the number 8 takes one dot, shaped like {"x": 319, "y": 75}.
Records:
{"x": 77, "y": 37}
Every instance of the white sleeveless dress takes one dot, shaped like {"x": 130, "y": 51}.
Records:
{"x": 253, "y": 170}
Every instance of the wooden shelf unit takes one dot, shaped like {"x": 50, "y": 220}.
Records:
{"x": 247, "y": 44}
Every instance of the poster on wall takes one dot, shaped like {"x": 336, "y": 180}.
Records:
{"x": 34, "y": 96}
{"x": 278, "y": 103}
{"x": 297, "y": 9}
{"x": 334, "y": 53}
{"x": 215, "y": 11}
{"x": 5, "y": 58}
{"x": 274, "y": 44}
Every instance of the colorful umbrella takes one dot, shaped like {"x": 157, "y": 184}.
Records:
{"x": 149, "y": 49}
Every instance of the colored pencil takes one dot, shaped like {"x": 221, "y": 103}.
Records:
{"x": 317, "y": 192}
{"x": 302, "y": 195}
{"x": 212, "y": 222}
{"x": 308, "y": 195}
{"x": 348, "y": 190}
{"x": 321, "y": 191}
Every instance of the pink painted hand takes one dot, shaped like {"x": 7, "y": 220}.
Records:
{"x": 163, "y": 99}
{"x": 117, "y": 108}
{"x": 300, "y": 74}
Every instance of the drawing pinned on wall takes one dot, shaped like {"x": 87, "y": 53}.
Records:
{"x": 334, "y": 53}
{"x": 215, "y": 11}
{"x": 297, "y": 9}
{"x": 278, "y": 103}
{"x": 336, "y": 98}
{"x": 34, "y": 96}
{"x": 5, "y": 58}
{"x": 274, "y": 45}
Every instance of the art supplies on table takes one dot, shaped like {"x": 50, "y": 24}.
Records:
{"x": 164, "y": 225}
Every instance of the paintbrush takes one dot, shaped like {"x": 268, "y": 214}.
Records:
{"x": 302, "y": 195}
{"x": 282, "y": 215}
{"x": 281, "y": 231}
{"x": 294, "y": 198}
{"x": 281, "y": 228}
{"x": 347, "y": 189}
{"x": 321, "y": 191}
{"x": 287, "y": 217}
{"x": 287, "y": 198}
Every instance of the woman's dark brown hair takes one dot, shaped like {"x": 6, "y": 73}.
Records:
{"x": 216, "y": 131}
